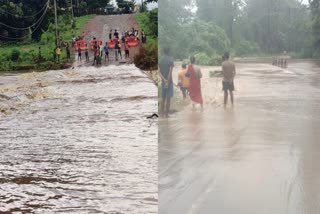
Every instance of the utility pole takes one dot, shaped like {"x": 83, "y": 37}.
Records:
{"x": 141, "y": 5}
{"x": 72, "y": 11}
{"x": 56, "y": 20}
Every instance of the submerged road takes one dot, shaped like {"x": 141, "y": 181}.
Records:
{"x": 78, "y": 141}
{"x": 259, "y": 157}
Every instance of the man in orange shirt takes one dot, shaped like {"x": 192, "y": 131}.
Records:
{"x": 183, "y": 81}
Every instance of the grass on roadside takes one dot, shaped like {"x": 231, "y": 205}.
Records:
{"x": 24, "y": 55}
{"x": 147, "y": 59}
{"x": 148, "y": 21}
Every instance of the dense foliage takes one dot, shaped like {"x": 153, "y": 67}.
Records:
{"x": 126, "y": 6}
{"x": 242, "y": 27}
{"x": 147, "y": 59}
{"x": 21, "y": 20}
{"x": 25, "y": 55}
{"x": 315, "y": 10}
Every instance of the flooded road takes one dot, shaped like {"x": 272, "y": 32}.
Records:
{"x": 78, "y": 141}
{"x": 259, "y": 157}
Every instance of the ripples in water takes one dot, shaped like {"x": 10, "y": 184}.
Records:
{"x": 77, "y": 141}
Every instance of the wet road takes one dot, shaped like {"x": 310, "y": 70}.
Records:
{"x": 77, "y": 141}
{"x": 259, "y": 157}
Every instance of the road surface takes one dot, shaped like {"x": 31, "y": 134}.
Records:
{"x": 100, "y": 26}
{"x": 78, "y": 140}
{"x": 259, "y": 157}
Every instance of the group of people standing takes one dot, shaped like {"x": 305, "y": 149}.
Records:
{"x": 99, "y": 50}
{"x": 121, "y": 42}
{"x": 280, "y": 62}
{"x": 189, "y": 81}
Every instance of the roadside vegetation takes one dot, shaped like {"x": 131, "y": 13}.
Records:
{"x": 147, "y": 59}
{"x": 25, "y": 55}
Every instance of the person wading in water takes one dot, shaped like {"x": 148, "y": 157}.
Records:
{"x": 165, "y": 67}
{"x": 195, "y": 75}
{"x": 228, "y": 74}
{"x": 183, "y": 81}
{"x": 106, "y": 52}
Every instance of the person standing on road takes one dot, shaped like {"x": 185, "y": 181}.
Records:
{"x": 183, "y": 81}
{"x": 116, "y": 34}
{"x": 95, "y": 57}
{"x": 116, "y": 47}
{"x": 195, "y": 75}
{"x": 100, "y": 54}
{"x": 79, "y": 53}
{"x": 58, "y": 53}
{"x": 126, "y": 49}
{"x": 123, "y": 38}
{"x": 87, "y": 53}
{"x": 106, "y": 52}
{"x": 228, "y": 74}
{"x": 166, "y": 65}
{"x": 119, "y": 49}
{"x": 110, "y": 35}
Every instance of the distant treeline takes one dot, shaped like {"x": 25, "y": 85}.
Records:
{"x": 22, "y": 20}
{"x": 207, "y": 28}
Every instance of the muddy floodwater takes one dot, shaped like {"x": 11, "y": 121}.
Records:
{"x": 78, "y": 141}
{"x": 259, "y": 157}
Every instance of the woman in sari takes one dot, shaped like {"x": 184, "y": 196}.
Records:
{"x": 195, "y": 75}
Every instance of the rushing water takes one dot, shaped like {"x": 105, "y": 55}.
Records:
{"x": 78, "y": 141}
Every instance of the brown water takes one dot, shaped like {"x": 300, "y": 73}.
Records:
{"x": 259, "y": 157}
{"x": 78, "y": 141}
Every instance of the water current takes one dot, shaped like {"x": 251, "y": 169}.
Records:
{"x": 78, "y": 141}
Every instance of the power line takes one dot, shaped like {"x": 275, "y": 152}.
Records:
{"x": 19, "y": 38}
{"x": 30, "y": 16}
{"x": 34, "y": 24}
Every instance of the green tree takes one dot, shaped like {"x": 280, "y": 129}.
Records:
{"x": 315, "y": 10}
{"x": 125, "y": 6}
{"x": 223, "y": 12}
{"x": 172, "y": 15}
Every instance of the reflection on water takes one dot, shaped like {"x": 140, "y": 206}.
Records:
{"x": 258, "y": 157}
{"x": 77, "y": 141}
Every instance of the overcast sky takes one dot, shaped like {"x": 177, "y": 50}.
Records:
{"x": 150, "y": 6}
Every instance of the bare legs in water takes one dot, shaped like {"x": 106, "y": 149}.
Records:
{"x": 165, "y": 107}
{"x": 226, "y": 97}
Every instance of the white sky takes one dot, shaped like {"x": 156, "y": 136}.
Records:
{"x": 138, "y": 2}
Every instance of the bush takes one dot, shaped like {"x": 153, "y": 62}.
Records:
{"x": 148, "y": 21}
{"x": 204, "y": 59}
{"x": 15, "y": 54}
{"x": 26, "y": 56}
{"x": 147, "y": 59}
{"x": 245, "y": 48}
